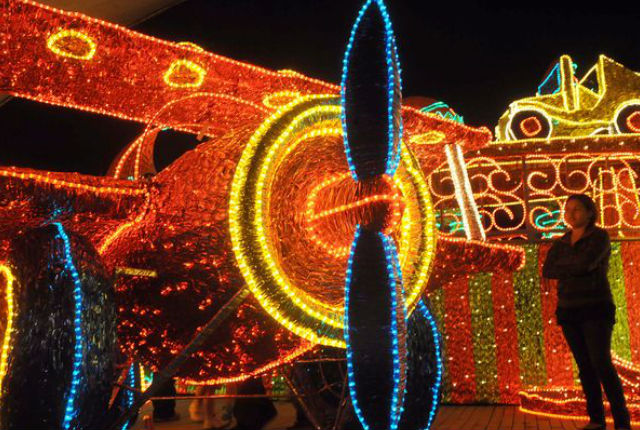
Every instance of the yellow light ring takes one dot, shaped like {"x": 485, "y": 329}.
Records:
{"x": 299, "y": 123}
{"x": 260, "y": 223}
{"x": 262, "y": 194}
{"x": 418, "y": 282}
{"x": 315, "y": 308}
{"x": 312, "y": 307}
{"x": 318, "y": 322}
{"x": 198, "y": 71}
{"x": 6, "y": 341}
{"x": 54, "y": 40}
{"x": 619, "y": 109}
{"x": 406, "y": 223}
{"x": 242, "y": 233}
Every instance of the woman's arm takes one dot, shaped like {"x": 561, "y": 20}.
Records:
{"x": 579, "y": 264}
{"x": 549, "y": 268}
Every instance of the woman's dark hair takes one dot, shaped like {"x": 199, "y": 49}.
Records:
{"x": 588, "y": 204}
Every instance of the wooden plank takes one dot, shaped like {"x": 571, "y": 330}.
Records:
{"x": 495, "y": 423}
{"x": 530, "y": 421}
{"x": 444, "y": 418}
{"x": 544, "y": 423}
{"x": 497, "y": 417}
{"x": 451, "y": 417}
{"x": 479, "y": 417}
{"x": 507, "y": 421}
{"x": 462, "y": 417}
{"x": 569, "y": 424}
{"x": 518, "y": 420}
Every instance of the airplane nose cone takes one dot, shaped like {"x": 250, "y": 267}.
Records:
{"x": 375, "y": 203}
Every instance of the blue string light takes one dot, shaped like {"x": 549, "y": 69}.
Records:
{"x": 394, "y": 272}
{"x": 393, "y": 157}
{"x": 393, "y": 151}
{"x": 422, "y": 308}
{"x": 70, "y": 411}
{"x": 393, "y": 269}
{"x": 131, "y": 381}
{"x": 351, "y": 381}
{"x": 555, "y": 72}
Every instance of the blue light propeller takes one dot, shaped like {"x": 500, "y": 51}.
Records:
{"x": 375, "y": 316}
{"x": 371, "y": 95}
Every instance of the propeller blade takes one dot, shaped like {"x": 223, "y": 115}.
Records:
{"x": 375, "y": 330}
{"x": 424, "y": 370}
{"x": 371, "y": 93}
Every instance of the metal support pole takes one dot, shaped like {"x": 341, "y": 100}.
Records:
{"x": 312, "y": 419}
{"x": 342, "y": 405}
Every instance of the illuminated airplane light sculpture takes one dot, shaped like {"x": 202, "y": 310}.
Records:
{"x": 226, "y": 216}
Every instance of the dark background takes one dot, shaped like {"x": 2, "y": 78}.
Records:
{"x": 477, "y": 57}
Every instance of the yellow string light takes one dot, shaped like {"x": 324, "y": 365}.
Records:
{"x": 6, "y": 341}
{"x": 109, "y": 239}
{"x": 191, "y": 45}
{"x": 326, "y": 325}
{"x": 576, "y": 109}
{"x": 72, "y": 44}
{"x": 280, "y": 98}
{"x": 431, "y": 137}
{"x": 59, "y": 183}
{"x": 184, "y": 74}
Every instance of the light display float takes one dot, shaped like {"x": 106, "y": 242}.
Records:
{"x": 574, "y": 136}
{"x": 232, "y": 260}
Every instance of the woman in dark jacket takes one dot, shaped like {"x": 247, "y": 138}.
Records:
{"x": 586, "y": 311}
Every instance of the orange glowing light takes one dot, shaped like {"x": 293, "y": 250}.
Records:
{"x": 530, "y": 126}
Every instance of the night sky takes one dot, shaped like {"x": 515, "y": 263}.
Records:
{"x": 476, "y": 57}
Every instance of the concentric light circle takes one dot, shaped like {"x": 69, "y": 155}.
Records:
{"x": 254, "y": 238}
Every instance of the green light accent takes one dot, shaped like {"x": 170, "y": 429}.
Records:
{"x": 434, "y": 106}
{"x": 526, "y": 285}
{"x": 541, "y": 222}
{"x": 620, "y": 339}
{"x": 544, "y": 219}
{"x": 484, "y": 345}
{"x": 454, "y": 226}
{"x": 449, "y": 114}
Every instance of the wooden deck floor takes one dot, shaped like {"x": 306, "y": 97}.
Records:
{"x": 449, "y": 418}
{"x": 497, "y": 418}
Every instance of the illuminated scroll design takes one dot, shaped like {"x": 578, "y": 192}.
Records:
{"x": 523, "y": 196}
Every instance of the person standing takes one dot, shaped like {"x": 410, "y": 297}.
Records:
{"x": 165, "y": 410}
{"x": 579, "y": 260}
